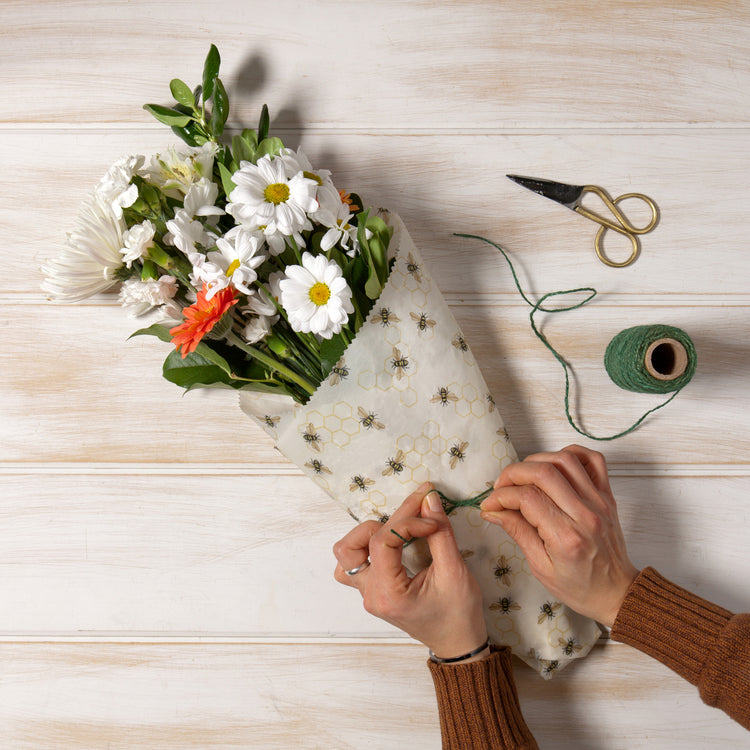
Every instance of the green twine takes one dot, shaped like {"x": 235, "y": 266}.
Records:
{"x": 623, "y": 350}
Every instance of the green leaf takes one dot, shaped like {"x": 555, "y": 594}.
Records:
{"x": 167, "y": 115}
{"x": 331, "y": 351}
{"x": 158, "y": 330}
{"x": 210, "y": 72}
{"x": 182, "y": 93}
{"x": 270, "y": 146}
{"x": 220, "y": 110}
{"x": 193, "y": 371}
{"x": 263, "y": 124}
{"x": 149, "y": 271}
{"x": 226, "y": 179}
{"x": 160, "y": 256}
{"x": 242, "y": 150}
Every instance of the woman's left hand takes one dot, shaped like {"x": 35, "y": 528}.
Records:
{"x": 442, "y": 605}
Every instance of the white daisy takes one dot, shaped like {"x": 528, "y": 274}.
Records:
{"x": 89, "y": 263}
{"x": 139, "y": 296}
{"x": 316, "y": 297}
{"x": 266, "y": 197}
{"x": 237, "y": 255}
{"x": 115, "y": 188}
{"x": 340, "y": 230}
{"x": 136, "y": 241}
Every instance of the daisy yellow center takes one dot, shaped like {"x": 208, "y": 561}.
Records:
{"x": 277, "y": 192}
{"x": 320, "y": 293}
{"x": 233, "y": 266}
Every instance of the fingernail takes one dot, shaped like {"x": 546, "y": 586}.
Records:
{"x": 434, "y": 502}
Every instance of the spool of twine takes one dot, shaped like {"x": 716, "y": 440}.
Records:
{"x": 651, "y": 359}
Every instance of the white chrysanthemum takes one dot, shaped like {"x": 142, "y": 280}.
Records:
{"x": 316, "y": 297}
{"x": 266, "y": 198}
{"x": 116, "y": 188}
{"x": 186, "y": 233}
{"x": 237, "y": 255}
{"x": 175, "y": 171}
{"x": 139, "y": 296}
{"x": 89, "y": 264}
{"x": 136, "y": 241}
{"x": 200, "y": 198}
{"x": 263, "y": 315}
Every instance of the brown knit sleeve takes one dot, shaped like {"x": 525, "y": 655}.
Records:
{"x": 478, "y": 705}
{"x": 702, "y": 642}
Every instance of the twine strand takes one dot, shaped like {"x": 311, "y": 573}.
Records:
{"x": 622, "y": 364}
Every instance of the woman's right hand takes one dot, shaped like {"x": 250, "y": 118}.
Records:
{"x": 560, "y": 510}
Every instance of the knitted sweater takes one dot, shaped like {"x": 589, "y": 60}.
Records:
{"x": 704, "y": 643}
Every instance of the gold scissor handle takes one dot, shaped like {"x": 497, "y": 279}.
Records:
{"x": 624, "y": 226}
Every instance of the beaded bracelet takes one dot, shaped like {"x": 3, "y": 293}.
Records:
{"x": 464, "y": 657}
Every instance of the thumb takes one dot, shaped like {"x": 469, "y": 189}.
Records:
{"x": 442, "y": 541}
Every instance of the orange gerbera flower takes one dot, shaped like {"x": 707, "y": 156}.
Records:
{"x": 200, "y": 318}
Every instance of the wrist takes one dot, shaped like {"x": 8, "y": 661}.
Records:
{"x": 476, "y": 654}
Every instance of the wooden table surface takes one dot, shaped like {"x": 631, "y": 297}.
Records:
{"x": 165, "y": 574}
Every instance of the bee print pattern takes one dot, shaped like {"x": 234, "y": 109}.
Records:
{"x": 457, "y": 453}
{"x": 549, "y": 667}
{"x": 339, "y": 372}
{"x": 570, "y": 647}
{"x": 490, "y": 403}
{"x": 385, "y": 317}
{"x": 467, "y": 553}
{"x": 317, "y": 466}
{"x": 460, "y": 343}
{"x": 443, "y": 397}
{"x": 360, "y": 483}
{"x": 369, "y": 419}
{"x": 394, "y": 465}
{"x": 503, "y": 434}
{"x": 548, "y": 611}
{"x": 312, "y": 438}
{"x": 270, "y": 421}
{"x": 400, "y": 363}
{"x": 413, "y": 268}
{"x": 503, "y": 570}
{"x": 423, "y": 322}
{"x": 505, "y": 605}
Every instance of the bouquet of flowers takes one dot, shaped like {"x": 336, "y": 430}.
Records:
{"x": 322, "y": 314}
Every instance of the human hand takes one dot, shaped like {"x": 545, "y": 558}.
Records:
{"x": 442, "y": 605}
{"x": 560, "y": 510}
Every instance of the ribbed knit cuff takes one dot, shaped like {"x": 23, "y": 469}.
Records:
{"x": 478, "y": 705}
{"x": 669, "y": 623}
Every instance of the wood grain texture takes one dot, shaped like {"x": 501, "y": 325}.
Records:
{"x": 391, "y": 64}
{"x": 169, "y": 696}
{"x": 166, "y": 574}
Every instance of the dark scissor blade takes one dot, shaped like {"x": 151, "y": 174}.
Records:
{"x": 568, "y": 195}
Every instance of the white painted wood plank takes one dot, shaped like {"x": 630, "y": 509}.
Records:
{"x": 397, "y": 64}
{"x": 251, "y": 556}
{"x": 80, "y": 391}
{"x": 351, "y": 697}
{"x": 446, "y": 184}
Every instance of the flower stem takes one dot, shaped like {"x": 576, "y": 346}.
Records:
{"x": 269, "y": 361}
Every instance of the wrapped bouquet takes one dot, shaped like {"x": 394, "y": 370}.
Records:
{"x": 270, "y": 281}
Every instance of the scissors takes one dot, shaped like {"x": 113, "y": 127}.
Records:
{"x": 571, "y": 197}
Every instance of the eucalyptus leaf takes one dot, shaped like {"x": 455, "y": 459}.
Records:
{"x": 210, "y": 72}
{"x": 182, "y": 93}
{"x": 167, "y": 115}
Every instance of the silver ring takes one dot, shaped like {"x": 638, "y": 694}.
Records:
{"x": 359, "y": 568}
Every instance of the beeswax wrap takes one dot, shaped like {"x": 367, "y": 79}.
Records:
{"x": 405, "y": 404}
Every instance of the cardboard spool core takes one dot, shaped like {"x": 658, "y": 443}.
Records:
{"x": 666, "y": 359}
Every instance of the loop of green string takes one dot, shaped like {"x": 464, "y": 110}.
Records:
{"x": 619, "y": 367}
